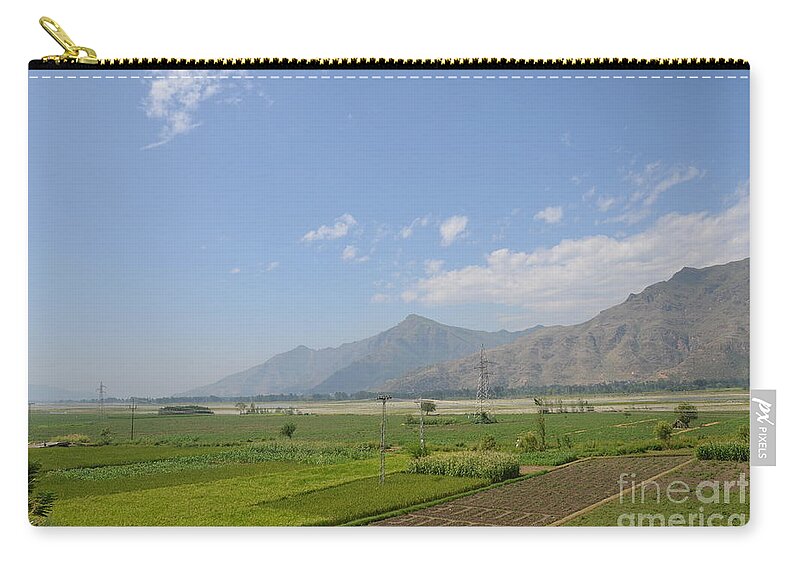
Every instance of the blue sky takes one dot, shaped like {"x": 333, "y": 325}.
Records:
{"x": 182, "y": 229}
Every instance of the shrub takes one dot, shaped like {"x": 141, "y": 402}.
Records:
{"x": 527, "y": 441}
{"x": 428, "y": 407}
{"x": 686, "y": 413}
{"x": 731, "y": 451}
{"x": 288, "y": 429}
{"x": 185, "y": 410}
{"x": 105, "y": 436}
{"x": 73, "y": 438}
{"x": 484, "y": 418}
{"x": 663, "y": 431}
{"x": 567, "y": 441}
{"x": 487, "y": 443}
{"x": 416, "y": 451}
{"x": 481, "y": 465}
{"x": 744, "y": 433}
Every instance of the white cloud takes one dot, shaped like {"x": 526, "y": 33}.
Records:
{"x": 651, "y": 182}
{"x": 604, "y": 203}
{"x": 452, "y": 228}
{"x": 175, "y": 103}
{"x": 408, "y": 296}
{"x": 339, "y": 229}
{"x": 235, "y": 270}
{"x": 575, "y": 279}
{"x": 589, "y": 194}
{"x": 380, "y": 298}
{"x": 408, "y": 230}
{"x": 272, "y": 266}
{"x": 433, "y": 266}
{"x": 350, "y": 253}
{"x": 550, "y": 215}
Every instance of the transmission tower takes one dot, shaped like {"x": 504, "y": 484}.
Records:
{"x": 482, "y": 406}
{"x": 102, "y": 391}
{"x": 383, "y": 398}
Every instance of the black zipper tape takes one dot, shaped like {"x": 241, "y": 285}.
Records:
{"x": 381, "y": 63}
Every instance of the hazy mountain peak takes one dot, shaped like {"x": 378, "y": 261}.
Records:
{"x": 694, "y": 326}
{"x": 415, "y": 342}
{"x": 414, "y": 318}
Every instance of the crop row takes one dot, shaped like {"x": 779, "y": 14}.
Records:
{"x": 481, "y": 465}
{"x": 307, "y": 453}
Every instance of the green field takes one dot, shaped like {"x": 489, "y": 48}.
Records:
{"x": 230, "y": 469}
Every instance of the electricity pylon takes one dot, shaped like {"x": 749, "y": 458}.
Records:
{"x": 482, "y": 406}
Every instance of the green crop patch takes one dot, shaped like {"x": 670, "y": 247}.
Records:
{"x": 484, "y": 465}
{"x": 366, "y": 497}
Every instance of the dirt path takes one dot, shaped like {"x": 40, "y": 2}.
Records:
{"x": 543, "y": 500}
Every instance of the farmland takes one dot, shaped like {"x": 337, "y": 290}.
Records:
{"x": 231, "y": 469}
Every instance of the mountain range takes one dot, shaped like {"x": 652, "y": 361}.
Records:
{"x": 414, "y": 343}
{"x": 694, "y": 326}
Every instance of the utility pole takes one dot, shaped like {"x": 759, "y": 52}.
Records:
{"x": 383, "y": 398}
{"x": 133, "y": 413}
{"x": 421, "y": 428}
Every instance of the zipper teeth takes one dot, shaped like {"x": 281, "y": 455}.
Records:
{"x": 390, "y": 63}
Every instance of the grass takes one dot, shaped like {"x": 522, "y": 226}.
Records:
{"x": 313, "y": 454}
{"x": 54, "y": 458}
{"x": 238, "y": 470}
{"x": 236, "y": 501}
{"x": 66, "y": 488}
{"x": 365, "y": 498}
{"x": 600, "y": 431}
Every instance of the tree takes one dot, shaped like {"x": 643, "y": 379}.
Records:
{"x": 288, "y": 429}
{"x": 41, "y": 504}
{"x": 542, "y": 427}
{"x": 105, "y": 436}
{"x": 663, "y": 431}
{"x": 428, "y": 406}
{"x": 241, "y": 406}
{"x": 686, "y": 413}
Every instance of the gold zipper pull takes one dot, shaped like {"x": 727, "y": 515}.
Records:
{"x": 72, "y": 52}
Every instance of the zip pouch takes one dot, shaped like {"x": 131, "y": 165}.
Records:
{"x": 378, "y": 292}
